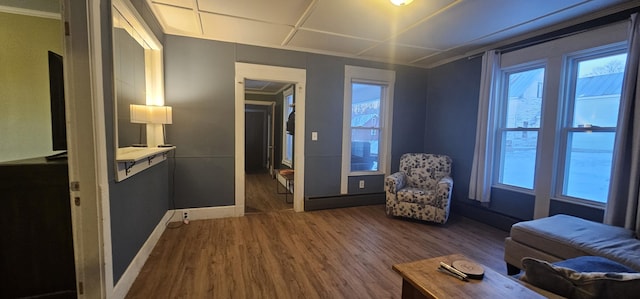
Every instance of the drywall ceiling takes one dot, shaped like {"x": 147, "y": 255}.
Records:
{"x": 423, "y": 33}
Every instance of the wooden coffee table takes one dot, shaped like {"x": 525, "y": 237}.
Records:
{"x": 421, "y": 279}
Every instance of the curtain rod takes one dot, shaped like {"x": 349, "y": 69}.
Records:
{"x": 540, "y": 39}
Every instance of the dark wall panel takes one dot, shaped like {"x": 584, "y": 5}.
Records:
{"x": 452, "y": 107}
{"x": 324, "y": 103}
{"x": 270, "y": 56}
{"x": 204, "y": 182}
{"x": 590, "y": 213}
{"x": 372, "y": 184}
{"x": 199, "y": 84}
{"x": 409, "y": 108}
{"x": 322, "y": 175}
{"x": 137, "y": 206}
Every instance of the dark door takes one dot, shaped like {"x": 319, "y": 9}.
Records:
{"x": 255, "y": 140}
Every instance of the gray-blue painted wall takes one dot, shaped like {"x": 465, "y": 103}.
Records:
{"x": 136, "y": 204}
{"x": 199, "y": 84}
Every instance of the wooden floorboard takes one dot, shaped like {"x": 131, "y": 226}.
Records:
{"x": 261, "y": 194}
{"x": 339, "y": 253}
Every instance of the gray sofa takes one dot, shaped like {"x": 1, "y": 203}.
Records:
{"x": 562, "y": 237}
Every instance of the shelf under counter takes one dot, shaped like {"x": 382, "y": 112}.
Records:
{"x": 132, "y": 160}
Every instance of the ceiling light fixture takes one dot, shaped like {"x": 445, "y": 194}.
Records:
{"x": 401, "y": 2}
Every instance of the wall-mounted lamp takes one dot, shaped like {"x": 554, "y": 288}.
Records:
{"x": 139, "y": 114}
{"x": 401, "y": 2}
{"x": 148, "y": 114}
{"x": 162, "y": 115}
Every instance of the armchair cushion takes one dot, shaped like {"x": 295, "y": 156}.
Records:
{"x": 417, "y": 195}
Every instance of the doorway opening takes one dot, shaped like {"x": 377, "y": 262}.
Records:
{"x": 247, "y": 115}
{"x": 263, "y": 147}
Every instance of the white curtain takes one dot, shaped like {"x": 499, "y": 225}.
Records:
{"x": 480, "y": 183}
{"x": 622, "y": 206}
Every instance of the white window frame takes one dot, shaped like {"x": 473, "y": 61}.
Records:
{"x": 285, "y": 116}
{"x": 502, "y": 99}
{"x": 382, "y": 77}
{"x": 567, "y": 98}
{"x": 554, "y": 53}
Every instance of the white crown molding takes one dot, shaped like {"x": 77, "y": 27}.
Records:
{"x": 30, "y": 12}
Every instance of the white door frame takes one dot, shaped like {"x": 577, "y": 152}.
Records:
{"x": 86, "y": 142}
{"x": 276, "y": 74}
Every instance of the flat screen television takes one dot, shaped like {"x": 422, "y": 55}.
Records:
{"x": 56, "y": 91}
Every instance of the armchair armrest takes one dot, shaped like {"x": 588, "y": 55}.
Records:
{"x": 395, "y": 182}
{"x": 443, "y": 190}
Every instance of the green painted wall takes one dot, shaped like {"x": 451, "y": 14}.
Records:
{"x": 25, "y": 118}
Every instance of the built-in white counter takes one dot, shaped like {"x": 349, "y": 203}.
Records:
{"x": 132, "y": 160}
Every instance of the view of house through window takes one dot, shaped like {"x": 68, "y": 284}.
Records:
{"x": 590, "y": 129}
{"x": 365, "y": 126}
{"x": 518, "y": 134}
{"x": 584, "y": 122}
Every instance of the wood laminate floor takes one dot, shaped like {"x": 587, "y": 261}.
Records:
{"x": 339, "y": 253}
{"x": 261, "y": 194}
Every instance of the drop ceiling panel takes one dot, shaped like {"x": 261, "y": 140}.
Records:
{"x": 271, "y": 11}
{"x": 179, "y": 3}
{"x": 328, "y": 42}
{"x": 373, "y": 19}
{"x": 397, "y": 53}
{"x": 242, "y": 31}
{"x": 177, "y": 20}
{"x": 465, "y": 23}
{"x": 421, "y": 33}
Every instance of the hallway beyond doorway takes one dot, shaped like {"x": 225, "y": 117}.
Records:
{"x": 261, "y": 195}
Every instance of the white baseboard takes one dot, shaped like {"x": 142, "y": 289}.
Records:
{"x": 123, "y": 285}
{"x": 204, "y": 213}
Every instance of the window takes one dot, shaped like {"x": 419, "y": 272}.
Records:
{"x": 367, "y": 122}
{"x": 365, "y": 126}
{"x": 287, "y": 139}
{"x": 555, "y": 120}
{"x": 517, "y": 132}
{"x": 590, "y": 121}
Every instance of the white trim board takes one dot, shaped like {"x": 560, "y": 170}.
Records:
{"x": 30, "y": 12}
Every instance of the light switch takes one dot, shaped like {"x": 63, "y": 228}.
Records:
{"x": 314, "y": 136}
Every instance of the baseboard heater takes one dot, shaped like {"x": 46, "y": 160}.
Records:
{"x": 484, "y": 215}
{"x": 313, "y": 203}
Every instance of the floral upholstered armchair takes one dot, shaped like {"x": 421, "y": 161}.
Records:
{"x": 421, "y": 189}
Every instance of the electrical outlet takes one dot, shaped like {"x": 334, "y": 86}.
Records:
{"x": 185, "y": 215}
{"x": 361, "y": 184}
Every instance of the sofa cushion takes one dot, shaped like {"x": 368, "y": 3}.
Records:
{"x": 593, "y": 264}
{"x": 583, "y": 277}
{"x": 567, "y": 237}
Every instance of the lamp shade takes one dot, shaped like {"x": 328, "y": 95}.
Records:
{"x": 139, "y": 114}
{"x": 147, "y": 114}
{"x": 161, "y": 115}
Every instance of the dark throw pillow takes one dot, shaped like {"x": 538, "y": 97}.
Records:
{"x": 583, "y": 277}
